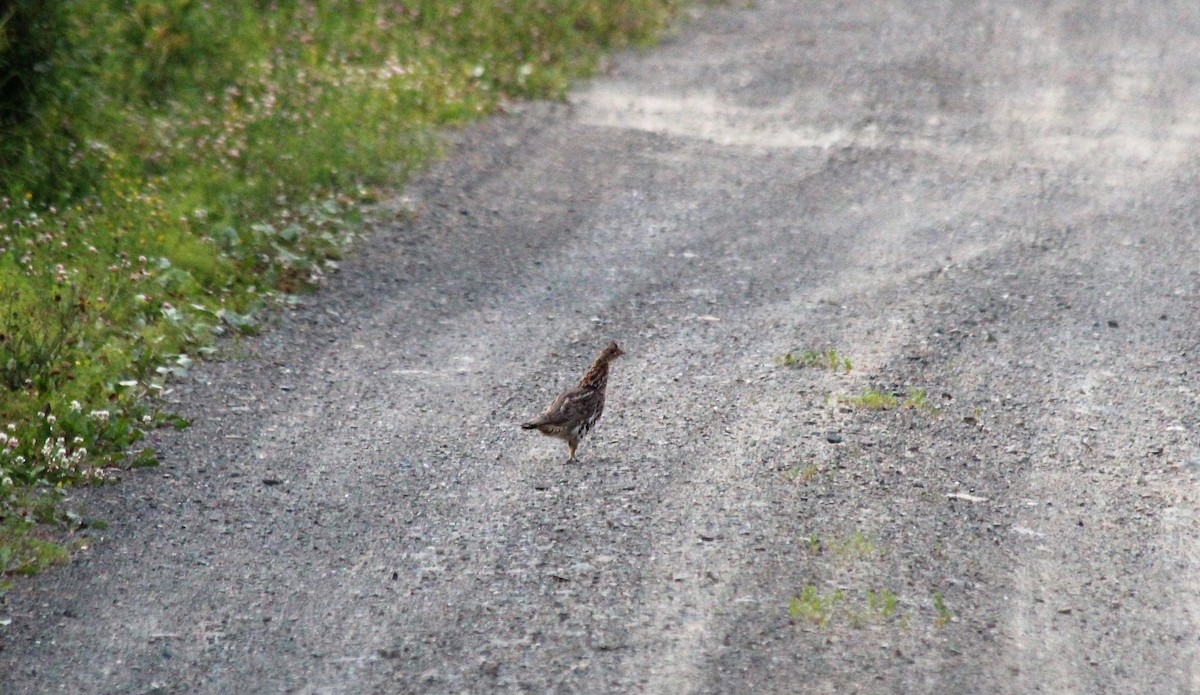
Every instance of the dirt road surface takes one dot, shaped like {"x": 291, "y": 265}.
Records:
{"x": 991, "y": 209}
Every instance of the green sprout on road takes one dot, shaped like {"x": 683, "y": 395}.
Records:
{"x": 878, "y": 399}
{"x": 817, "y": 359}
{"x": 943, "y": 614}
{"x": 813, "y": 606}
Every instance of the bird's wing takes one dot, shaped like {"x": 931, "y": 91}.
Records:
{"x": 568, "y": 407}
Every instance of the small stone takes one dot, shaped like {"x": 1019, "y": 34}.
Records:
{"x": 833, "y": 438}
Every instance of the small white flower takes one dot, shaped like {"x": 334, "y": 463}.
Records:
{"x": 76, "y": 407}
{"x": 101, "y": 415}
{"x": 51, "y": 419}
{"x": 146, "y": 418}
{"x": 12, "y": 427}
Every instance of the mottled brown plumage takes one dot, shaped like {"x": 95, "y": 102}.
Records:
{"x": 574, "y": 413}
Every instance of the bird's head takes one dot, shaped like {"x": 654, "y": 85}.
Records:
{"x": 611, "y": 352}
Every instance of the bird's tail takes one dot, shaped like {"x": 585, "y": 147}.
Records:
{"x": 529, "y": 426}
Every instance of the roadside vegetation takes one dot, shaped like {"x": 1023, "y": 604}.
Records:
{"x": 829, "y": 359}
{"x": 170, "y": 169}
{"x": 876, "y": 399}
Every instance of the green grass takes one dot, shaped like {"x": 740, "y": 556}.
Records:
{"x": 817, "y": 359}
{"x": 855, "y": 546}
{"x": 876, "y": 399}
{"x": 33, "y": 539}
{"x": 23, "y": 552}
{"x": 803, "y": 473}
{"x": 814, "y": 606}
{"x": 171, "y": 169}
{"x": 917, "y": 399}
{"x": 871, "y": 399}
{"x": 943, "y": 614}
{"x": 824, "y": 608}
{"x": 881, "y": 604}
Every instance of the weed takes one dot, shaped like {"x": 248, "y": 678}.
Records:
{"x": 28, "y": 541}
{"x": 23, "y": 552}
{"x": 871, "y": 399}
{"x": 882, "y": 603}
{"x": 813, "y": 606}
{"x": 816, "y": 359}
{"x": 855, "y": 546}
{"x": 821, "y": 608}
{"x": 880, "y": 608}
{"x": 852, "y": 547}
{"x": 803, "y": 473}
{"x": 876, "y": 399}
{"x": 943, "y": 614}
{"x": 917, "y": 399}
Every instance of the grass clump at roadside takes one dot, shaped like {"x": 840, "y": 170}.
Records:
{"x": 944, "y": 615}
{"x": 876, "y": 399}
{"x": 814, "y": 606}
{"x": 171, "y": 168}
{"x": 829, "y": 359}
{"x": 856, "y": 546}
{"x": 823, "y": 608}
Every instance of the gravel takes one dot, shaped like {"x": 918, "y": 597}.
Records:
{"x": 994, "y": 204}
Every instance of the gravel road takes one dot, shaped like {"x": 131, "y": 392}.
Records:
{"x": 991, "y": 209}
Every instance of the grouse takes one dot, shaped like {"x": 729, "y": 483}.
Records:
{"x": 575, "y": 412}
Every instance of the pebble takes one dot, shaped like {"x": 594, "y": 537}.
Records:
{"x": 833, "y": 438}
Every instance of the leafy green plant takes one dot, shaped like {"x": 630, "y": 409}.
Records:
{"x": 811, "y": 543}
{"x": 877, "y": 399}
{"x": 814, "y": 606}
{"x": 816, "y": 359}
{"x": 822, "y": 608}
{"x": 882, "y": 603}
{"x": 918, "y": 400}
{"x": 803, "y": 473}
{"x": 171, "y": 169}
{"x": 881, "y": 607}
{"x": 943, "y": 613}
{"x": 871, "y": 399}
{"x": 854, "y": 546}
{"x": 22, "y": 551}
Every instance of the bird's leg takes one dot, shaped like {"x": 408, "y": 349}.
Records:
{"x": 572, "y": 445}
